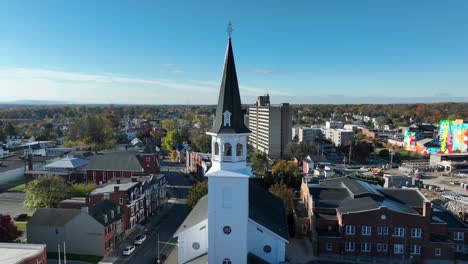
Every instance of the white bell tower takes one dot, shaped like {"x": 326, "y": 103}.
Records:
{"x": 228, "y": 177}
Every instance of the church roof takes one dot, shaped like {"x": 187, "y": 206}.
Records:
{"x": 264, "y": 208}
{"x": 229, "y": 99}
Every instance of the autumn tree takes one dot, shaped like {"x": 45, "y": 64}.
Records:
{"x": 80, "y": 189}
{"x": 285, "y": 193}
{"x": 8, "y": 230}
{"x": 196, "y": 193}
{"x": 200, "y": 141}
{"x": 45, "y": 192}
{"x": 172, "y": 140}
{"x": 285, "y": 172}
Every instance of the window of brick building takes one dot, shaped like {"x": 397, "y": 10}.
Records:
{"x": 416, "y": 232}
{"x": 366, "y": 230}
{"x": 415, "y": 249}
{"x": 438, "y": 252}
{"x": 349, "y": 246}
{"x": 399, "y": 231}
{"x": 365, "y": 247}
{"x": 458, "y": 236}
{"x": 382, "y": 230}
{"x": 350, "y": 230}
{"x": 329, "y": 246}
{"x": 398, "y": 248}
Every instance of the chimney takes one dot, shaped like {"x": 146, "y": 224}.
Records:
{"x": 134, "y": 179}
{"x": 116, "y": 188}
{"x": 118, "y": 181}
{"x": 427, "y": 209}
{"x": 30, "y": 162}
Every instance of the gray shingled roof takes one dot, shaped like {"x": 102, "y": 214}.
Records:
{"x": 104, "y": 207}
{"x": 447, "y": 217}
{"x": 229, "y": 99}
{"x": 118, "y": 161}
{"x": 53, "y": 216}
{"x": 410, "y": 197}
{"x": 264, "y": 208}
{"x": 198, "y": 214}
{"x": 267, "y": 210}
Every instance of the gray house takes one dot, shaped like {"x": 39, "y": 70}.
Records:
{"x": 86, "y": 231}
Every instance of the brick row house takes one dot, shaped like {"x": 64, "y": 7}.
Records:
{"x": 106, "y": 166}
{"x": 92, "y": 230}
{"x": 198, "y": 163}
{"x": 352, "y": 219}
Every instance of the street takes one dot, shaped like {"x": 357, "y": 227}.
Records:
{"x": 166, "y": 224}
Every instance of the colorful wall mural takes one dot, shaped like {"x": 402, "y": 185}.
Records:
{"x": 453, "y": 136}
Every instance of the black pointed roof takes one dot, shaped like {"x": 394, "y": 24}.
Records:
{"x": 229, "y": 99}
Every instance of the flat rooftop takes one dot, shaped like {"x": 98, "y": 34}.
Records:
{"x": 17, "y": 253}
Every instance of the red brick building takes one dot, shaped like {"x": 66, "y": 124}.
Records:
{"x": 23, "y": 253}
{"x": 104, "y": 167}
{"x": 198, "y": 163}
{"x": 129, "y": 196}
{"x": 356, "y": 219}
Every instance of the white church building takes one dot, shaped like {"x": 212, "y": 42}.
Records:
{"x": 237, "y": 222}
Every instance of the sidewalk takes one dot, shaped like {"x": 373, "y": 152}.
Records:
{"x": 138, "y": 230}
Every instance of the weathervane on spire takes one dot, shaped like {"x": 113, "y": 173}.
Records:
{"x": 229, "y": 29}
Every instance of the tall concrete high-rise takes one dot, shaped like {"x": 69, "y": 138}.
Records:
{"x": 271, "y": 127}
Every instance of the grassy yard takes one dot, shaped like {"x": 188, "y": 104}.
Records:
{"x": 18, "y": 188}
{"x": 85, "y": 258}
{"x": 21, "y": 226}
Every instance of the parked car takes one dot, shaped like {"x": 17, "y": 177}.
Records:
{"x": 128, "y": 250}
{"x": 139, "y": 240}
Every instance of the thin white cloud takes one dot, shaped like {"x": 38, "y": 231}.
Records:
{"x": 175, "y": 71}
{"x": 245, "y": 89}
{"x": 262, "y": 71}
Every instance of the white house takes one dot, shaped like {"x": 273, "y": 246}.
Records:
{"x": 238, "y": 221}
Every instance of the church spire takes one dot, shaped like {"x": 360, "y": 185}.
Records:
{"x": 229, "y": 117}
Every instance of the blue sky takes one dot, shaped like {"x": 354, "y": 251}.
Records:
{"x": 172, "y": 52}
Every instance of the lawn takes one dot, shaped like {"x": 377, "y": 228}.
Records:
{"x": 18, "y": 188}
{"x": 85, "y": 258}
{"x": 21, "y": 226}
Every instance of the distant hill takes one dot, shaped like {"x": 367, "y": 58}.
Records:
{"x": 35, "y": 102}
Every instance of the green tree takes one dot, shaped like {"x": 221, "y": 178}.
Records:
{"x": 201, "y": 142}
{"x": 196, "y": 193}
{"x": 10, "y": 129}
{"x": 172, "y": 140}
{"x": 301, "y": 150}
{"x": 45, "y": 192}
{"x": 170, "y": 124}
{"x": 259, "y": 163}
{"x": 8, "y": 230}
{"x": 286, "y": 172}
{"x": 80, "y": 189}
{"x": 285, "y": 193}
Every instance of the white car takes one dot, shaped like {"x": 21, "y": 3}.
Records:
{"x": 139, "y": 240}
{"x": 128, "y": 250}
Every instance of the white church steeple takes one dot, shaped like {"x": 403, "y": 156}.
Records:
{"x": 228, "y": 178}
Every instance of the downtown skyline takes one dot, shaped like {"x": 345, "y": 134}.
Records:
{"x": 168, "y": 53}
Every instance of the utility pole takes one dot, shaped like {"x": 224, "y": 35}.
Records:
{"x": 350, "y": 151}
{"x": 64, "y": 254}
{"x": 159, "y": 256}
{"x": 59, "y": 253}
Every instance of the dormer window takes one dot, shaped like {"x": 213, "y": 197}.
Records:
{"x": 227, "y": 118}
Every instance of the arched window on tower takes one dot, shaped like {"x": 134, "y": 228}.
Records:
{"x": 239, "y": 149}
{"x": 227, "y": 149}
{"x": 216, "y": 148}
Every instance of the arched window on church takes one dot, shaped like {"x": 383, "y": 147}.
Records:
{"x": 239, "y": 149}
{"x": 227, "y": 149}
{"x": 216, "y": 148}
